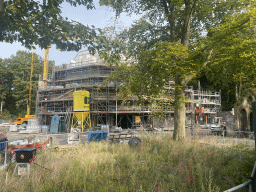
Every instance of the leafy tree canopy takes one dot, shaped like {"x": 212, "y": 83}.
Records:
{"x": 203, "y": 27}
{"x": 233, "y": 58}
{"x": 15, "y": 81}
{"x": 170, "y": 20}
{"x": 218, "y": 30}
{"x": 40, "y": 23}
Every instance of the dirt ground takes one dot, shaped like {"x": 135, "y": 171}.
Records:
{"x": 203, "y": 135}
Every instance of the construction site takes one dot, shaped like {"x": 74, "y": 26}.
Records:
{"x": 85, "y": 76}
{"x": 76, "y": 105}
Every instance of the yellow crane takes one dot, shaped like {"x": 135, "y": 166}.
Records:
{"x": 45, "y": 74}
{"x": 30, "y": 84}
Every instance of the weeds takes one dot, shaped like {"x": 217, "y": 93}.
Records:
{"x": 159, "y": 164}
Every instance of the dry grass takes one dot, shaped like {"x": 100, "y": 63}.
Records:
{"x": 159, "y": 164}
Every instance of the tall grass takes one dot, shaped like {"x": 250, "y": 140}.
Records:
{"x": 159, "y": 164}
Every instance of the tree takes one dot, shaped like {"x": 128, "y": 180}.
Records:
{"x": 40, "y": 23}
{"x": 170, "y": 21}
{"x": 233, "y": 59}
{"x": 17, "y": 81}
{"x": 6, "y": 86}
{"x": 3, "y": 90}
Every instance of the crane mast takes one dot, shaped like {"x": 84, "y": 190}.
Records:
{"x": 45, "y": 75}
{"x": 30, "y": 85}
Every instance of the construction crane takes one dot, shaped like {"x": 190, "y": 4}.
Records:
{"x": 45, "y": 74}
{"x": 20, "y": 121}
{"x": 30, "y": 84}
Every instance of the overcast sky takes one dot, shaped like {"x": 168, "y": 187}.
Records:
{"x": 100, "y": 17}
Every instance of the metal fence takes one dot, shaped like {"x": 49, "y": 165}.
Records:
{"x": 241, "y": 134}
{"x": 226, "y": 133}
{"x": 3, "y": 153}
{"x": 247, "y": 186}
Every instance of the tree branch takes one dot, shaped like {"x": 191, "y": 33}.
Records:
{"x": 190, "y": 77}
{"x": 169, "y": 14}
{"x": 189, "y": 8}
{"x": 240, "y": 24}
{"x": 1, "y": 5}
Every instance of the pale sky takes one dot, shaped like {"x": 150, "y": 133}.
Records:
{"x": 100, "y": 17}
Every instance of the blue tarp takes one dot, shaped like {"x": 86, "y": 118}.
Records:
{"x": 97, "y": 135}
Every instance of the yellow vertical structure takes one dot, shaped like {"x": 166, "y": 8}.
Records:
{"x": 45, "y": 75}
{"x": 81, "y": 109}
{"x": 30, "y": 86}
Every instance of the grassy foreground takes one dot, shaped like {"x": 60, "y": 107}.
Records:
{"x": 159, "y": 164}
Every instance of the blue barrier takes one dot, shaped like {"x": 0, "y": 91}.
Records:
{"x": 3, "y": 143}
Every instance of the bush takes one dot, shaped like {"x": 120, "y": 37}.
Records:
{"x": 6, "y": 115}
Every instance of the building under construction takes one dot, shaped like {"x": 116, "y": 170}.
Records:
{"x": 88, "y": 73}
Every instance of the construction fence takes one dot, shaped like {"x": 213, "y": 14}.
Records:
{"x": 4, "y": 154}
{"x": 247, "y": 186}
{"x": 3, "y": 121}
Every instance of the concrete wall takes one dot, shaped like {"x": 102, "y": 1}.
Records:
{"x": 243, "y": 112}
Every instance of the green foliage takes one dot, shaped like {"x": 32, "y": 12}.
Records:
{"x": 165, "y": 57}
{"x": 6, "y": 115}
{"x": 172, "y": 21}
{"x": 40, "y": 23}
{"x": 232, "y": 61}
{"x": 232, "y": 43}
{"x": 156, "y": 66}
{"x": 3, "y": 76}
{"x": 204, "y": 28}
{"x": 159, "y": 164}
{"x": 16, "y": 80}
{"x": 168, "y": 17}
{"x": 167, "y": 20}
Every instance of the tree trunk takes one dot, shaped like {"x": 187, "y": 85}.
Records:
{"x": 180, "y": 111}
{"x": 189, "y": 9}
{"x": 180, "y": 84}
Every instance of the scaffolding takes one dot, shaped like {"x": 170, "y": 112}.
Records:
{"x": 87, "y": 72}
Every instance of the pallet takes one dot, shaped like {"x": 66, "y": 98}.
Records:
{"x": 119, "y": 136}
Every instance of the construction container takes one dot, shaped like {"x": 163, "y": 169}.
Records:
{"x": 97, "y": 135}
{"x": 81, "y": 101}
